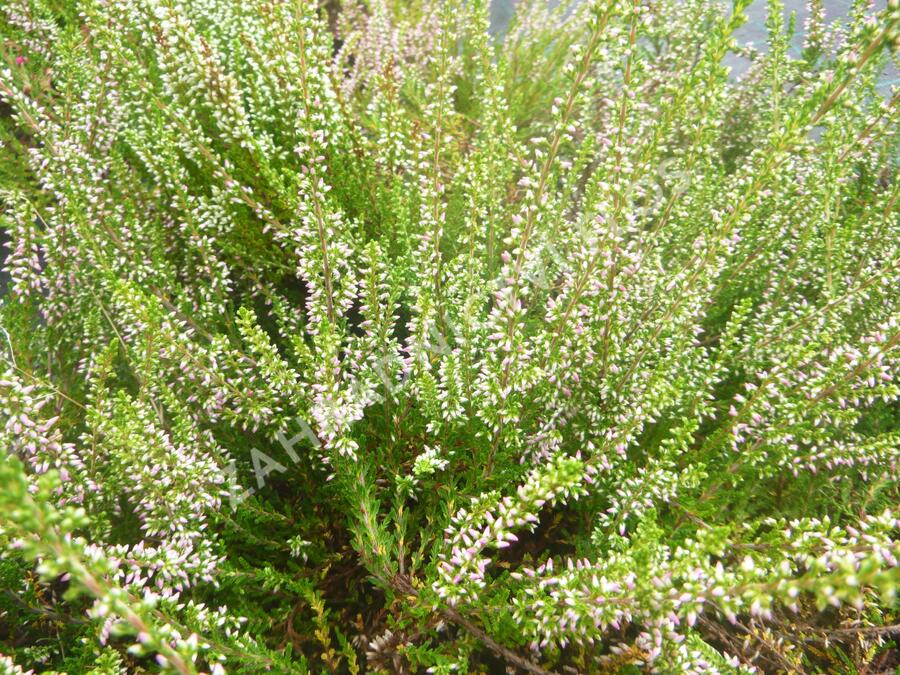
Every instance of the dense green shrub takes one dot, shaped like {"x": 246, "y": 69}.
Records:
{"x": 350, "y": 338}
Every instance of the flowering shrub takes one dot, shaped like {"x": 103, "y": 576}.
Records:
{"x": 351, "y": 338}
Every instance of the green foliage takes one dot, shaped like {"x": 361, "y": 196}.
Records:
{"x": 353, "y": 338}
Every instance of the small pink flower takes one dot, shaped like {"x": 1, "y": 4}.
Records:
{"x": 20, "y": 60}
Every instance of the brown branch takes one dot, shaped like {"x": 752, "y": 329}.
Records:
{"x": 402, "y": 584}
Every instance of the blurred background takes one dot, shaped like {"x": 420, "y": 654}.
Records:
{"x": 751, "y": 33}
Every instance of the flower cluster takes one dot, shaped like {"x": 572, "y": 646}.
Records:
{"x": 352, "y": 336}
{"x": 491, "y": 519}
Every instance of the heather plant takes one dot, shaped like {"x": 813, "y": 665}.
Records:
{"x": 354, "y": 338}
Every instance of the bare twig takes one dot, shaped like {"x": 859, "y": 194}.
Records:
{"x": 403, "y": 584}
